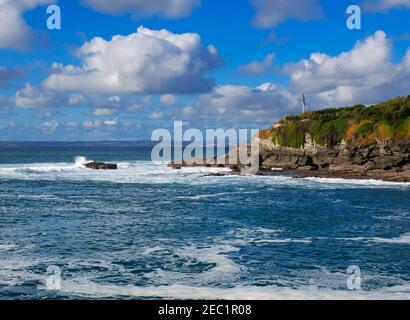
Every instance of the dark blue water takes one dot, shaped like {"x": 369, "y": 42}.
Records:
{"x": 146, "y": 231}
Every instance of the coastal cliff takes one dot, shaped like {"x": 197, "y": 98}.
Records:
{"x": 355, "y": 142}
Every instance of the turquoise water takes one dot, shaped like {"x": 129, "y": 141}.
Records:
{"x": 146, "y": 231}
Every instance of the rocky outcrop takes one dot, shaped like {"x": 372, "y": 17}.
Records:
{"x": 101, "y": 166}
{"x": 386, "y": 160}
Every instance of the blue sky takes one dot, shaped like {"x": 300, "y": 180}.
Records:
{"x": 215, "y": 64}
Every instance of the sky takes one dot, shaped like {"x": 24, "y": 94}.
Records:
{"x": 117, "y": 70}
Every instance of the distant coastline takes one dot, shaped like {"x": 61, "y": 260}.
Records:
{"x": 33, "y": 144}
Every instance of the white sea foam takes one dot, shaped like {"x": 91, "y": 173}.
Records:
{"x": 203, "y": 196}
{"x": 128, "y": 172}
{"x": 223, "y": 270}
{"x": 305, "y": 240}
{"x": 151, "y": 250}
{"x": 149, "y": 172}
{"x": 248, "y": 236}
{"x": 7, "y": 246}
{"x": 403, "y": 239}
{"x": 83, "y": 287}
{"x": 80, "y": 161}
{"x": 14, "y": 272}
{"x": 355, "y": 182}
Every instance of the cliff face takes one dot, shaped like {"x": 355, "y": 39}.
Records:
{"x": 387, "y": 160}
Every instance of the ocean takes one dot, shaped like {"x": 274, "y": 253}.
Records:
{"x": 146, "y": 231}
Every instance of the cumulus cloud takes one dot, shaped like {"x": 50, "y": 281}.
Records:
{"x": 270, "y": 13}
{"x": 142, "y": 8}
{"x": 39, "y": 97}
{"x": 148, "y": 61}
{"x": 385, "y": 5}
{"x": 364, "y": 74}
{"x": 258, "y": 67}
{"x": 14, "y": 31}
{"x": 33, "y": 97}
{"x": 236, "y": 104}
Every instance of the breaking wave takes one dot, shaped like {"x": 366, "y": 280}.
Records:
{"x": 149, "y": 172}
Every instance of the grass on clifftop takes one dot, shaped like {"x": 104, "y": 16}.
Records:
{"x": 389, "y": 120}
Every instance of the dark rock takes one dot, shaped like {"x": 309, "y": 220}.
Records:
{"x": 235, "y": 168}
{"x": 101, "y": 166}
{"x": 388, "y": 162}
{"x": 359, "y": 160}
{"x": 215, "y": 175}
{"x": 305, "y": 161}
{"x": 324, "y": 165}
{"x": 406, "y": 166}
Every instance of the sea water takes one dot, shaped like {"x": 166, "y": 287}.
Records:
{"x": 146, "y": 231}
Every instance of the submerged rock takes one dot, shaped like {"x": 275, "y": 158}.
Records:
{"x": 101, "y": 166}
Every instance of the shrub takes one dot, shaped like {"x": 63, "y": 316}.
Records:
{"x": 292, "y": 135}
{"x": 329, "y": 133}
{"x": 365, "y": 128}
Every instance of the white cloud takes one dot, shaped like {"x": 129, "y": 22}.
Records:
{"x": 385, "y": 5}
{"x": 38, "y": 97}
{"x": 92, "y": 124}
{"x": 233, "y": 104}
{"x": 50, "y": 126}
{"x": 14, "y": 32}
{"x": 188, "y": 111}
{"x": 156, "y": 116}
{"x": 258, "y": 67}
{"x": 114, "y": 99}
{"x": 111, "y": 123}
{"x": 148, "y": 61}
{"x": 365, "y": 74}
{"x": 76, "y": 99}
{"x": 43, "y": 115}
{"x": 168, "y": 99}
{"x": 270, "y": 13}
{"x": 32, "y": 97}
{"x": 163, "y": 8}
{"x": 103, "y": 112}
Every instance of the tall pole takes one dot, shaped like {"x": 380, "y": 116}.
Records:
{"x": 303, "y": 103}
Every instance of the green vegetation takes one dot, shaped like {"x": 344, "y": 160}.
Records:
{"x": 292, "y": 135}
{"x": 357, "y": 124}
